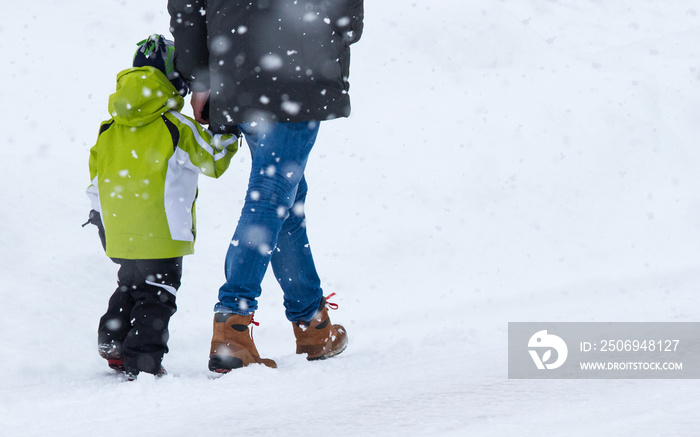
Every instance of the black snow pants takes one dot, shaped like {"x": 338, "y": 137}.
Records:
{"x": 139, "y": 311}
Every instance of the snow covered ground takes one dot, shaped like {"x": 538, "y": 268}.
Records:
{"x": 513, "y": 160}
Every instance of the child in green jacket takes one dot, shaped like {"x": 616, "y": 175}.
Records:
{"x": 144, "y": 169}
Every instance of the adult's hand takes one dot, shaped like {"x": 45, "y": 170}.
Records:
{"x": 198, "y": 100}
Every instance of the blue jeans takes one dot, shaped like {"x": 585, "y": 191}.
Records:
{"x": 272, "y": 226}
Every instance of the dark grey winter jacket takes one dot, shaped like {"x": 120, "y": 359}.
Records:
{"x": 280, "y": 60}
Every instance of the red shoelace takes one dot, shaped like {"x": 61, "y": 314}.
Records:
{"x": 331, "y": 305}
{"x": 254, "y": 323}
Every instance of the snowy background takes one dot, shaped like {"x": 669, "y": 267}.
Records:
{"x": 512, "y": 160}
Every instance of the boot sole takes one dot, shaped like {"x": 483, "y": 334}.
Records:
{"x": 224, "y": 364}
{"x": 114, "y": 358}
{"x": 117, "y": 365}
{"x": 328, "y": 354}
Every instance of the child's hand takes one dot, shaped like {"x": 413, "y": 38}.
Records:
{"x": 198, "y": 100}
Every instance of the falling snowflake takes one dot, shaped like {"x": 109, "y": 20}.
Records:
{"x": 291, "y": 108}
{"x": 271, "y": 62}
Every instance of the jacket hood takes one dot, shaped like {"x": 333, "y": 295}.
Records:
{"x": 143, "y": 94}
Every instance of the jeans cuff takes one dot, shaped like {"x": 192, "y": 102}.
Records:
{"x": 223, "y": 309}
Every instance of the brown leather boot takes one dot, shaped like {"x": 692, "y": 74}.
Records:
{"x": 319, "y": 339}
{"x": 232, "y": 346}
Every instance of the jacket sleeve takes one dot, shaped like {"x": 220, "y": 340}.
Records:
{"x": 92, "y": 191}
{"x": 199, "y": 149}
{"x": 93, "y": 162}
{"x": 188, "y": 24}
{"x": 347, "y": 16}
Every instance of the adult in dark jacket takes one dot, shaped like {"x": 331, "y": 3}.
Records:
{"x": 273, "y": 69}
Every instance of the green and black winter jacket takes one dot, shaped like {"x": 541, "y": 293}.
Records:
{"x": 145, "y": 165}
